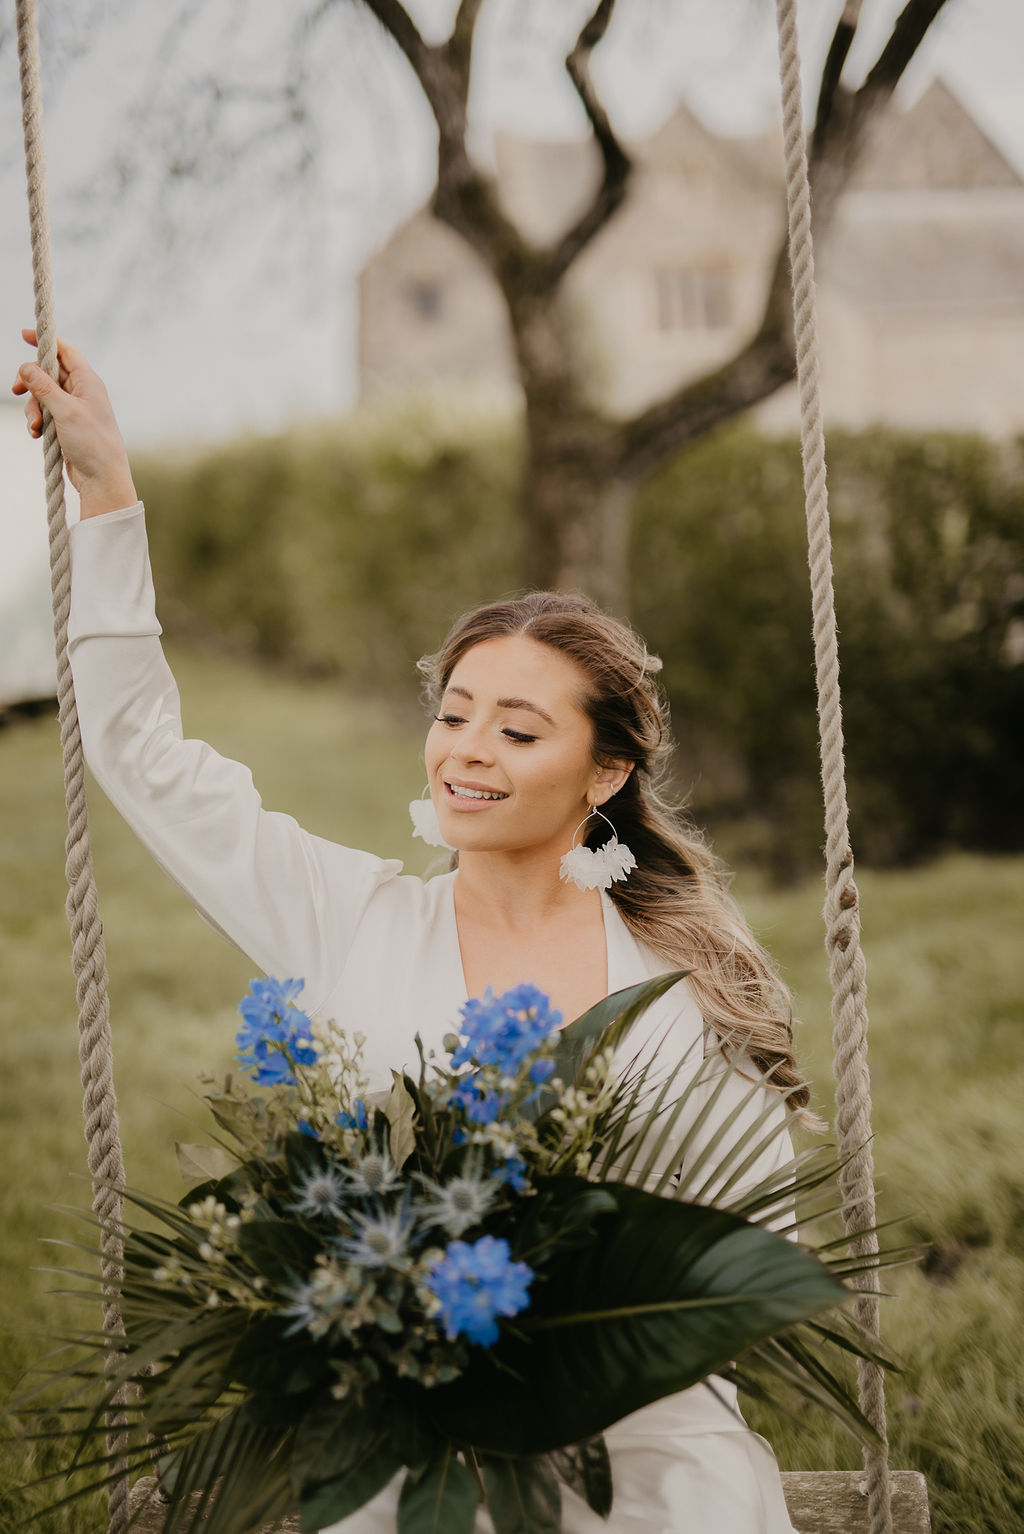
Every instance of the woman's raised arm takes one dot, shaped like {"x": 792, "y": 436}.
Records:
{"x": 289, "y": 900}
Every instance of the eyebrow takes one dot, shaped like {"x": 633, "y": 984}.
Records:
{"x": 532, "y": 708}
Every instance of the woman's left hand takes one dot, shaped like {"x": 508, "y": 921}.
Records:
{"x": 93, "y": 448}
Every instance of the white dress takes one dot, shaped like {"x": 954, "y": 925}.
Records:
{"x": 379, "y": 951}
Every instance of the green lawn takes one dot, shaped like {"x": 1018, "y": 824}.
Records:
{"x": 946, "y": 999}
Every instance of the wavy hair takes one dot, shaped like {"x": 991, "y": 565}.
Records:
{"x": 676, "y": 901}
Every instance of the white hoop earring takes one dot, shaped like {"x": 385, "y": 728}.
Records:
{"x": 590, "y": 870}
{"x": 425, "y": 823}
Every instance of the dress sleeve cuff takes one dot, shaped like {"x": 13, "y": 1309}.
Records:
{"x": 111, "y": 582}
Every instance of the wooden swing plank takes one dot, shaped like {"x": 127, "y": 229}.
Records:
{"x": 835, "y": 1502}
{"x": 819, "y": 1502}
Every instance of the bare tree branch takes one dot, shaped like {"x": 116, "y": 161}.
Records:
{"x": 768, "y": 361}
{"x": 617, "y": 164}
{"x": 460, "y": 44}
{"x": 395, "y": 20}
{"x": 842, "y": 40}
{"x": 465, "y": 198}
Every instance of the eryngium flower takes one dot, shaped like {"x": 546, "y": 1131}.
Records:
{"x": 459, "y": 1203}
{"x": 382, "y": 1240}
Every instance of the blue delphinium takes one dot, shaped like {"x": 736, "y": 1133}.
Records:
{"x": 358, "y": 1119}
{"x": 480, "y": 1104}
{"x": 505, "y": 1030}
{"x": 475, "y": 1283}
{"x": 513, "y": 1171}
{"x": 275, "y": 1034}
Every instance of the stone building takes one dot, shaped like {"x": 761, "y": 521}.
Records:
{"x": 920, "y": 282}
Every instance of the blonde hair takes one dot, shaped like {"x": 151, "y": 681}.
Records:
{"x": 675, "y": 902}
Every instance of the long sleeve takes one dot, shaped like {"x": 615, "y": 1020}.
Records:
{"x": 291, "y": 901}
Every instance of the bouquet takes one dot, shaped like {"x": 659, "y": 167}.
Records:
{"x": 461, "y": 1280}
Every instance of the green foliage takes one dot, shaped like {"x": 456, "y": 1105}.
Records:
{"x": 349, "y": 554}
{"x": 346, "y": 554}
{"x": 929, "y": 546}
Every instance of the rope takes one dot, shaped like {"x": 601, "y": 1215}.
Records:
{"x": 842, "y": 918}
{"x": 88, "y": 957}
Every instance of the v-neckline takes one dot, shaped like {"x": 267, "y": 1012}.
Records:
{"x": 613, "y": 957}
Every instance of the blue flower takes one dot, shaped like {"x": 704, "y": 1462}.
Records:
{"x": 540, "y": 1070}
{"x": 480, "y": 1104}
{"x": 505, "y": 1030}
{"x": 275, "y": 1035}
{"x": 265, "y": 1008}
{"x": 360, "y": 1119}
{"x": 512, "y": 1171}
{"x": 475, "y": 1283}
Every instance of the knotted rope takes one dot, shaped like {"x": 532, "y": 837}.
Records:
{"x": 842, "y": 917}
{"x": 88, "y": 956}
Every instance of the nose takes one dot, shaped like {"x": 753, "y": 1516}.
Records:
{"x": 472, "y": 744}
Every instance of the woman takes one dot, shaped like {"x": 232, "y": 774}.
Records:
{"x": 547, "y": 719}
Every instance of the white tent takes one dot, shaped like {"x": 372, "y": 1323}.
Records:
{"x": 27, "y": 667}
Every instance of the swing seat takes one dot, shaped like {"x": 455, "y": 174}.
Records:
{"x": 836, "y": 1501}
{"x": 819, "y": 1502}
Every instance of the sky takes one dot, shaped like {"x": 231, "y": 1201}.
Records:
{"x": 225, "y": 301}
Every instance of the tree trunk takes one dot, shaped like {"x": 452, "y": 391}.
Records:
{"x": 574, "y": 510}
{"x": 574, "y": 507}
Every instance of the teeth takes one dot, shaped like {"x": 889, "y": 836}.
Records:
{"x": 474, "y": 793}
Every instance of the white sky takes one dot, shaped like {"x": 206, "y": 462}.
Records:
{"x": 252, "y": 322}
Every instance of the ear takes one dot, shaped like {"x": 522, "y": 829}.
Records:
{"x": 607, "y": 781}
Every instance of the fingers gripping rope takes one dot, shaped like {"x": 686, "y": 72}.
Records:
{"x": 842, "y": 920}
{"x": 87, "y": 950}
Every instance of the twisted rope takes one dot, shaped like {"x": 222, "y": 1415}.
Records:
{"x": 842, "y": 917}
{"x": 88, "y": 956}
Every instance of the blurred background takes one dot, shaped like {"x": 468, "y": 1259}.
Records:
{"x": 369, "y": 379}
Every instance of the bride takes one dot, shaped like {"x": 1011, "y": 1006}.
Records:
{"x": 548, "y": 730}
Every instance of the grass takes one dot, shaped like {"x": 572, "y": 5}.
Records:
{"x": 946, "y": 999}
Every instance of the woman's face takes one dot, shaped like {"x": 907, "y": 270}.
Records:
{"x": 509, "y": 759}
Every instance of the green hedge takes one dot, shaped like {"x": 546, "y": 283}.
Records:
{"x": 347, "y": 552}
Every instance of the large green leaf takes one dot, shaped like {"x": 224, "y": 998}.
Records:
{"x": 281, "y": 1251}
{"x": 522, "y": 1496}
{"x": 272, "y": 1359}
{"x": 665, "y": 1294}
{"x": 330, "y": 1501}
{"x": 442, "y": 1499}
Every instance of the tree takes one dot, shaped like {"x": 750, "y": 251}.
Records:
{"x": 582, "y": 467}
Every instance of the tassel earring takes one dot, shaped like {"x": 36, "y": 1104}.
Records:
{"x": 425, "y": 823}
{"x": 590, "y": 870}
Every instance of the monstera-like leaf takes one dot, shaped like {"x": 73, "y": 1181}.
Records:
{"x": 663, "y": 1294}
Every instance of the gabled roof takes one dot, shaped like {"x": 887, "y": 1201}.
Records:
{"x": 935, "y": 145}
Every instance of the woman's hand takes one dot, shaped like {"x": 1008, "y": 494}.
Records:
{"x": 93, "y": 449}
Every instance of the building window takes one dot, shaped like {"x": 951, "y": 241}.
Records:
{"x": 693, "y": 298}
{"x": 425, "y": 298}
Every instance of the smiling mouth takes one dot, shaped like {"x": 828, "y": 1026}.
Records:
{"x": 473, "y": 793}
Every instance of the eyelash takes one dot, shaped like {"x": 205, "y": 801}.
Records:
{"x": 516, "y": 736}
